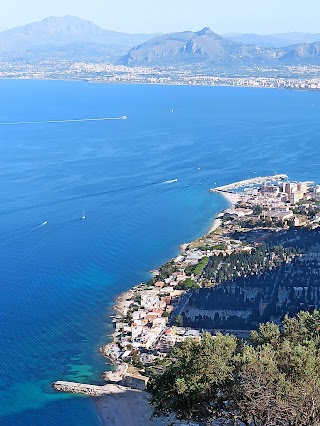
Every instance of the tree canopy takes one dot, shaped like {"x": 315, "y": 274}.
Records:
{"x": 274, "y": 379}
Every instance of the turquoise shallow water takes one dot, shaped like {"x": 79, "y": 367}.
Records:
{"x": 58, "y": 281}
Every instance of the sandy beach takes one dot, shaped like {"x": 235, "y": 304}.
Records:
{"x": 215, "y": 225}
{"x": 232, "y": 197}
{"x": 128, "y": 408}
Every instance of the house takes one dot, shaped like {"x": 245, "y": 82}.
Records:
{"x": 282, "y": 216}
{"x": 136, "y": 331}
{"x": 138, "y": 315}
{"x": 149, "y": 300}
{"x": 136, "y": 381}
{"x": 161, "y": 322}
{"x": 299, "y": 221}
{"x": 181, "y": 276}
{"x": 151, "y": 316}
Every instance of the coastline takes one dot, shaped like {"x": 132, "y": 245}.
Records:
{"x": 132, "y": 407}
{"x": 139, "y": 312}
{"x": 174, "y": 83}
{"x": 231, "y": 197}
{"x": 214, "y": 226}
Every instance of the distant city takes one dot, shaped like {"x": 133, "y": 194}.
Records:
{"x": 71, "y": 48}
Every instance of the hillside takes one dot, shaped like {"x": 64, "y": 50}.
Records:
{"x": 252, "y": 288}
{"x": 307, "y": 54}
{"x": 192, "y": 47}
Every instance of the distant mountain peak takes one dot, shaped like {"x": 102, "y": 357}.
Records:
{"x": 205, "y": 30}
{"x": 67, "y": 21}
{"x": 66, "y": 18}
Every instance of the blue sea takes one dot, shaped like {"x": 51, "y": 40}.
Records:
{"x": 58, "y": 281}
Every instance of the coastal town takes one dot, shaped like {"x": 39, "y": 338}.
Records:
{"x": 148, "y": 323}
{"x": 147, "y": 318}
{"x": 299, "y": 77}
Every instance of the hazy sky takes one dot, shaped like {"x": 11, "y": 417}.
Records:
{"x": 133, "y": 16}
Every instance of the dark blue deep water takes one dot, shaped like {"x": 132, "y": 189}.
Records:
{"x": 58, "y": 281}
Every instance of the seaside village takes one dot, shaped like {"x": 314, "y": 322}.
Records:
{"x": 148, "y": 321}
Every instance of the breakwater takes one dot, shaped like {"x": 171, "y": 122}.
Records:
{"x": 86, "y": 389}
{"x": 259, "y": 180}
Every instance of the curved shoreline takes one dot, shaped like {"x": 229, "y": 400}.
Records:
{"x": 148, "y": 317}
{"x": 125, "y": 299}
{"x": 131, "y": 408}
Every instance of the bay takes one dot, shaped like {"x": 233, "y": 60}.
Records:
{"x": 59, "y": 280}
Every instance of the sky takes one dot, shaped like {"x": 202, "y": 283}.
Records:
{"x": 147, "y": 16}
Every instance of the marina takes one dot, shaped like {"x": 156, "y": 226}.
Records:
{"x": 259, "y": 180}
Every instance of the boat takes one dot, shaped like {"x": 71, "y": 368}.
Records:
{"x": 83, "y": 215}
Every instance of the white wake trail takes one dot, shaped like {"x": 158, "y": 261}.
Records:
{"x": 39, "y": 226}
{"x": 170, "y": 181}
{"x": 75, "y": 120}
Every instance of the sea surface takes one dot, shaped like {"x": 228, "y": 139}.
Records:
{"x": 58, "y": 280}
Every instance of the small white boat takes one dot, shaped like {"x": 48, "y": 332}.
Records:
{"x": 83, "y": 215}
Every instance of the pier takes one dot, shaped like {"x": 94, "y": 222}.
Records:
{"x": 90, "y": 390}
{"x": 259, "y": 180}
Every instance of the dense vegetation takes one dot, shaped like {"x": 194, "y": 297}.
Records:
{"x": 279, "y": 277}
{"x": 246, "y": 301}
{"x": 225, "y": 267}
{"x": 272, "y": 380}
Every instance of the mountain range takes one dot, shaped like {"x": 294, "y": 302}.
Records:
{"x": 274, "y": 40}
{"x": 75, "y": 39}
{"x": 208, "y": 48}
{"x": 187, "y": 48}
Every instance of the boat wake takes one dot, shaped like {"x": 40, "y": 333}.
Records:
{"x": 42, "y": 224}
{"x": 76, "y": 120}
{"x": 170, "y": 181}
{"x": 91, "y": 195}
